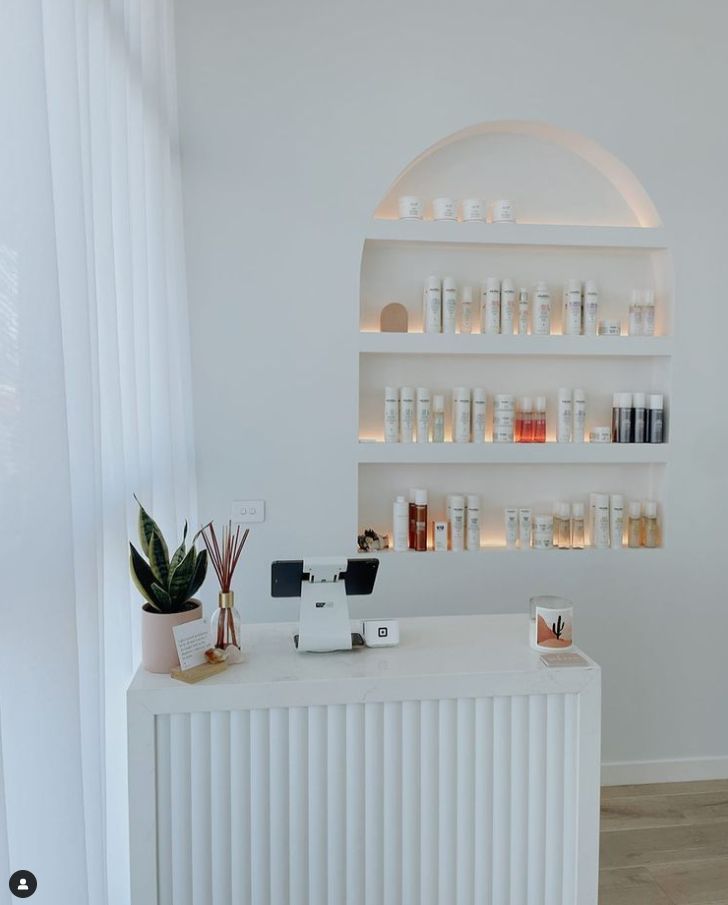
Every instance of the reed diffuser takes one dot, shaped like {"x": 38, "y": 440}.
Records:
{"x": 224, "y": 556}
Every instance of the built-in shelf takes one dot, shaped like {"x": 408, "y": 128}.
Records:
{"x": 650, "y": 238}
{"x": 592, "y": 552}
{"x": 379, "y": 453}
{"x": 484, "y": 344}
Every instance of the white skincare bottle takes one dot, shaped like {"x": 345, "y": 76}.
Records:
{"x": 635, "y": 327}
{"x": 564, "y": 423}
{"x": 466, "y": 310}
{"x": 591, "y": 308}
{"x": 503, "y": 418}
{"x": 579, "y": 416}
{"x": 457, "y": 522}
{"x": 391, "y": 415}
{"x": 511, "y": 522}
{"x": 600, "y": 530}
{"x": 508, "y": 307}
{"x": 648, "y": 313}
{"x": 522, "y": 312}
{"x": 616, "y": 519}
{"x": 490, "y": 306}
{"x": 543, "y": 532}
{"x": 461, "y": 415}
{"x": 479, "y": 414}
{"x": 433, "y": 306}
{"x": 438, "y": 419}
{"x": 473, "y": 522}
{"x": 439, "y": 535}
{"x": 423, "y": 414}
{"x": 449, "y": 305}
{"x": 525, "y": 519}
{"x": 400, "y": 524}
{"x": 572, "y": 309}
{"x": 541, "y": 310}
{"x": 406, "y": 414}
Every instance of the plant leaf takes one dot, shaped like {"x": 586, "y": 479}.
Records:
{"x": 141, "y": 574}
{"x": 180, "y": 577}
{"x": 147, "y": 526}
{"x": 198, "y": 576}
{"x": 179, "y": 555}
{"x": 163, "y": 599}
{"x": 159, "y": 558}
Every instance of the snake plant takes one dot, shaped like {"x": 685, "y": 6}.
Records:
{"x": 166, "y": 584}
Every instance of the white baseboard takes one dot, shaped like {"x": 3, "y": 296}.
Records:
{"x": 638, "y": 772}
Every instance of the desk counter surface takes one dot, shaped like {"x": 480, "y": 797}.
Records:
{"x": 437, "y": 657}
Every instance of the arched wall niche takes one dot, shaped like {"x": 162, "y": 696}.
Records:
{"x": 552, "y": 176}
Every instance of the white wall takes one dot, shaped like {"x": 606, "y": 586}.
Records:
{"x": 296, "y": 117}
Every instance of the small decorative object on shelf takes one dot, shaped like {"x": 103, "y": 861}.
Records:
{"x": 502, "y": 212}
{"x": 371, "y": 542}
{"x": 225, "y": 624}
{"x": 168, "y": 587}
{"x": 410, "y": 208}
{"x": 552, "y": 623}
{"x": 394, "y": 318}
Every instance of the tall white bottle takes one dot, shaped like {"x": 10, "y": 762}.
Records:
{"x": 473, "y": 522}
{"x": 466, "y": 310}
{"x": 461, "y": 415}
{"x": 449, "y": 305}
{"x": 490, "y": 306}
{"x": 391, "y": 415}
{"x": 479, "y": 414}
{"x": 541, "y": 310}
{"x": 572, "y": 309}
{"x": 507, "y": 307}
{"x": 523, "y": 312}
{"x": 565, "y": 414}
{"x": 457, "y": 522}
{"x": 591, "y": 308}
{"x": 406, "y": 414}
{"x": 432, "y": 306}
{"x": 400, "y": 524}
{"x": 423, "y": 415}
{"x": 579, "y": 407}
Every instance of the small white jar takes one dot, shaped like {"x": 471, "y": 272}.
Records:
{"x": 600, "y": 435}
{"x": 543, "y": 532}
{"x": 473, "y": 210}
{"x": 410, "y": 207}
{"x": 610, "y": 328}
{"x": 444, "y": 209}
{"x": 502, "y": 212}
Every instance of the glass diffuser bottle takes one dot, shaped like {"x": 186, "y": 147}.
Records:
{"x": 225, "y": 627}
{"x": 224, "y": 556}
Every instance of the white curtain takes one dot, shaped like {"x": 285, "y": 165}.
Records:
{"x": 95, "y": 405}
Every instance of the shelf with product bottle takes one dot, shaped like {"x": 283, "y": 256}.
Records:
{"x": 538, "y": 234}
{"x": 376, "y": 452}
{"x": 556, "y": 345}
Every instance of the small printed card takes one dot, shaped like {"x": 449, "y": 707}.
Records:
{"x": 192, "y": 640}
{"x": 567, "y": 658}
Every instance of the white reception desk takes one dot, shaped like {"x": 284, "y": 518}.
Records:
{"x": 454, "y": 769}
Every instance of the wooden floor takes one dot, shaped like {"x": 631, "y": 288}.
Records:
{"x": 665, "y": 844}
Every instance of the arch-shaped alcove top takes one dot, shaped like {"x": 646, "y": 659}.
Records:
{"x": 550, "y": 174}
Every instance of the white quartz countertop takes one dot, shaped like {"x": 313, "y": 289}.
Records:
{"x": 437, "y": 657}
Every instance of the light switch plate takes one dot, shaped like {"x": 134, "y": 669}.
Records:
{"x": 248, "y": 512}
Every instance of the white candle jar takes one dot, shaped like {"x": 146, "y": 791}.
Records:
{"x": 502, "y": 212}
{"x": 473, "y": 210}
{"x": 552, "y": 623}
{"x": 410, "y": 208}
{"x": 444, "y": 209}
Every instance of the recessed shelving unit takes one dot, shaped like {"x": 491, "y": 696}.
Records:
{"x": 619, "y": 243}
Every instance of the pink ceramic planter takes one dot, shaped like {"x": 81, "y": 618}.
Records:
{"x": 159, "y": 653}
